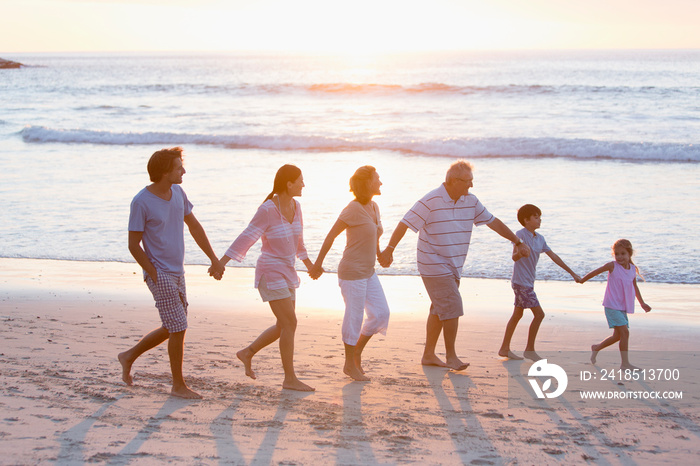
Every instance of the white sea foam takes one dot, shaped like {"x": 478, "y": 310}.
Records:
{"x": 548, "y": 128}
{"x": 452, "y": 147}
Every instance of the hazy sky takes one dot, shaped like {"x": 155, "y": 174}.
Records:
{"x": 350, "y": 26}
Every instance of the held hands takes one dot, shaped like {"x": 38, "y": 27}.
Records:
{"x": 386, "y": 257}
{"x": 316, "y": 271}
{"x": 577, "y": 279}
{"x": 524, "y": 250}
{"x": 216, "y": 270}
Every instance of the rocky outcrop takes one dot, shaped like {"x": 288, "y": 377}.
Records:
{"x": 7, "y": 64}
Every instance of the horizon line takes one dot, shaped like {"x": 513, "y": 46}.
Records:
{"x": 346, "y": 53}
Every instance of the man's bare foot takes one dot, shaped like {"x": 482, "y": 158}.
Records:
{"x": 246, "y": 357}
{"x": 185, "y": 392}
{"x": 432, "y": 361}
{"x": 509, "y": 354}
{"x": 297, "y": 385}
{"x": 594, "y": 353}
{"x": 456, "y": 364}
{"x": 355, "y": 373}
{"x": 532, "y": 356}
{"x": 126, "y": 368}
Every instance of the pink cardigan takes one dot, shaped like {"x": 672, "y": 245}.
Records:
{"x": 282, "y": 242}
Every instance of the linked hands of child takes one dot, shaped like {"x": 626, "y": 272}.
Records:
{"x": 524, "y": 250}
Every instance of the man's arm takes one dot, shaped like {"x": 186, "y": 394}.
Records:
{"x": 516, "y": 254}
{"x": 499, "y": 227}
{"x": 200, "y": 237}
{"x": 386, "y": 257}
{"x": 557, "y": 260}
{"x": 140, "y": 255}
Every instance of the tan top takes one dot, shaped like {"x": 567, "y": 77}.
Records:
{"x": 364, "y": 229}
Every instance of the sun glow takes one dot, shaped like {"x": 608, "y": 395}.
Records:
{"x": 367, "y": 26}
{"x": 359, "y": 27}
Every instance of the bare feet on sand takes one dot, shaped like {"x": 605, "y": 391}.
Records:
{"x": 355, "y": 373}
{"x": 297, "y": 385}
{"x": 432, "y": 361}
{"x": 629, "y": 366}
{"x": 185, "y": 392}
{"x": 456, "y": 364}
{"x": 126, "y": 369}
{"x": 532, "y": 356}
{"x": 594, "y": 353}
{"x": 509, "y": 354}
{"x": 246, "y": 357}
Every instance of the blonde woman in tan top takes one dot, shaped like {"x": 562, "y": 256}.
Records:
{"x": 358, "y": 282}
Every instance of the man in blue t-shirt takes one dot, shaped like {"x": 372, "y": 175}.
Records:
{"x": 158, "y": 215}
{"x": 523, "y": 281}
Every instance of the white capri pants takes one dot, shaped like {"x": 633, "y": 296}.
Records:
{"x": 360, "y": 296}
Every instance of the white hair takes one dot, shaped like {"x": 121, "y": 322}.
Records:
{"x": 457, "y": 169}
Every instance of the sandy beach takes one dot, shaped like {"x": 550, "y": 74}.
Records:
{"x": 63, "y": 401}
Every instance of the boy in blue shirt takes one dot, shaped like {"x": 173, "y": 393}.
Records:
{"x": 523, "y": 281}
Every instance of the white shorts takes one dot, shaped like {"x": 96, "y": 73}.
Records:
{"x": 360, "y": 296}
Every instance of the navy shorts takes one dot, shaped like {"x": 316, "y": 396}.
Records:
{"x": 525, "y": 297}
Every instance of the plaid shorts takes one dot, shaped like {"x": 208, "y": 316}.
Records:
{"x": 171, "y": 300}
{"x": 525, "y": 297}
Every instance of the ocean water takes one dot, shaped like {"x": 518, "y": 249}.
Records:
{"x": 605, "y": 143}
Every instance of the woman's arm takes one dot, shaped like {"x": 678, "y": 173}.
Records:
{"x": 386, "y": 257}
{"x": 248, "y": 237}
{"x": 317, "y": 269}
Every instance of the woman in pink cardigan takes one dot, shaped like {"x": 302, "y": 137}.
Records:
{"x": 279, "y": 223}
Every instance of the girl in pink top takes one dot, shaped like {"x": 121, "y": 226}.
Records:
{"x": 279, "y": 223}
{"x": 619, "y": 298}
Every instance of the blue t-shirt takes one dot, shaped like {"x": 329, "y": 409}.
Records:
{"x": 162, "y": 223}
{"x": 525, "y": 269}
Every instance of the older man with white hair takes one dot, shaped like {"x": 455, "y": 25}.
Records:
{"x": 444, "y": 219}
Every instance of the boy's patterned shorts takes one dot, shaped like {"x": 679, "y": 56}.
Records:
{"x": 525, "y": 297}
{"x": 171, "y": 300}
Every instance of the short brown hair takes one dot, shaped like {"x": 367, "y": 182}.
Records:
{"x": 360, "y": 183}
{"x": 527, "y": 211}
{"x": 161, "y": 162}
